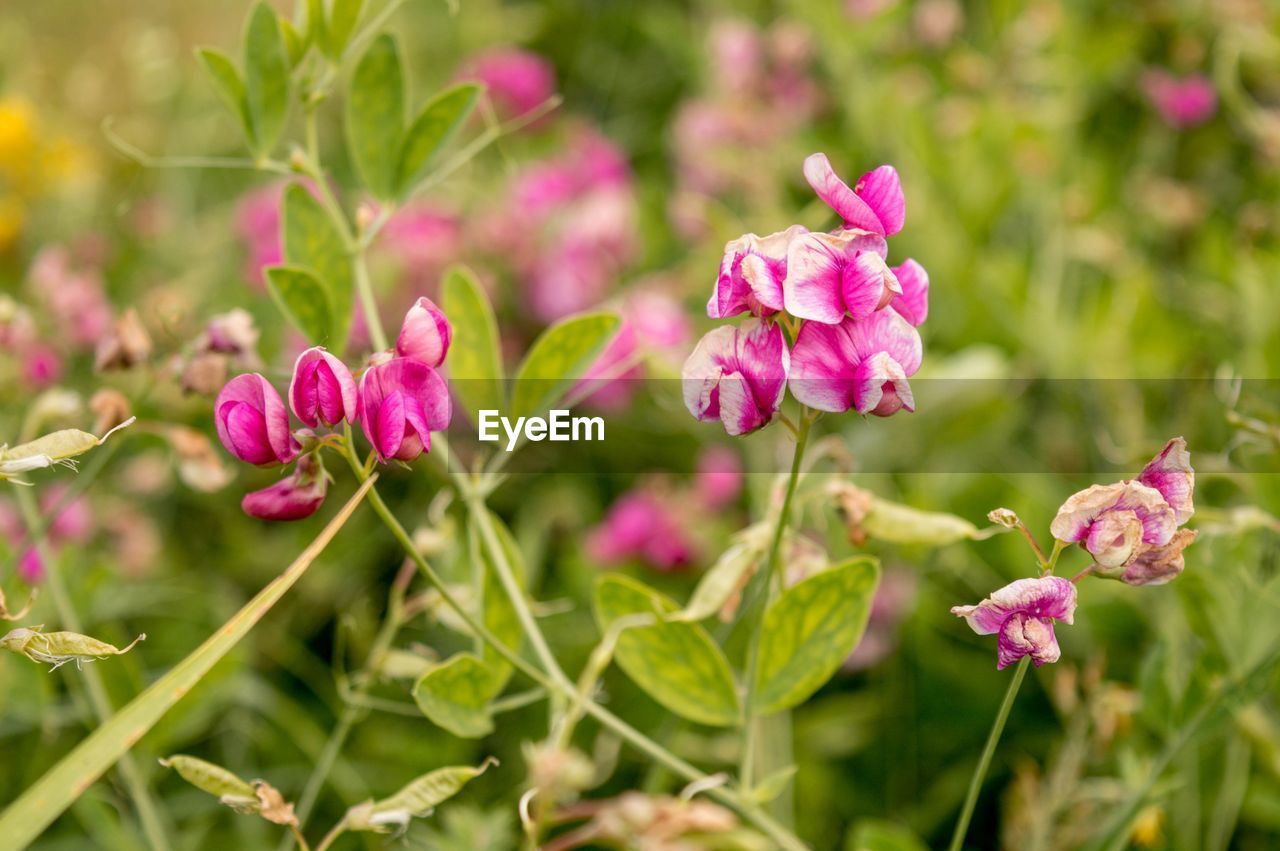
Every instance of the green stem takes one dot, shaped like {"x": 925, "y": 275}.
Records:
{"x": 980, "y": 773}
{"x": 364, "y": 286}
{"x": 757, "y": 601}
{"x": 148, "y": 815}
{"x": 332, "y": 836}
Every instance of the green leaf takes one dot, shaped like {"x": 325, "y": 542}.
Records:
{"x": 558, "y": 359}
{"x": 303, "y": 300}
{"x": 726, "y": 576}
{"x": 881, "y": 835}
{"x": 230, "y": 87}
{"x": 266, "y": 77}
{"x": 677, "y": 664}
{"x": 475, "y": 361}
{"x": 375, "y": 116}
{"x": 343, "y": 17}
{"x": 310, "y": 21}
{"x": 295, "y": 42}
{"x": 455, "y": 695}
{"x": 432, "y": 130}
{"x": 50, "y": 796}
{"x": 810, "y": 630}
{"x": 313, "y": 242}
{"x": 416, "y": 800}
{"x": 773, "y": 785}
{"x": 208, "y": 777}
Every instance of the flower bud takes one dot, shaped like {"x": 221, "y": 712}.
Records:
{"x": 294, "y": 498}
{"x": 322, "y": 391}
{"x": 252, "y": 421}
{"x": 425, "y": 334}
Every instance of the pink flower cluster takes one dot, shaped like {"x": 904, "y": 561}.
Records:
{"x": 399, "y": 401}
{"x": 856, "y": 343}
{"x": 73, "y": 524}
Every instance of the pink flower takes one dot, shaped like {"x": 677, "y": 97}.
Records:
{"x": 861, "y": 364}
{"x": 1170, "y": 473}
{"x": 752, "y": 274}
{"x": 519, "y": 80}
{"x": 41, "y": 365}
{"x": 73, "y": 524}
{"x": 640, "y": 526}
{"x": 718, "y": 479}
{"x": 913, "y": 302}
{"x": 1023, "y": 613}
{"x": 322, "y": 391}
{"x": 258, "y": 221}
{"x": 1183, "y": 103}
{"x": 831, "y": 275}
{"x": 738, "y": 376}
{"x": 1158, "y": 565}
{"x": 292, "y": 498}
{"x": 425, "y": 334}
{"x": 75, "y": 297}
{"x": 652, "y": 322}
{"x": 401, "y": 402}
{"x": 252, "y": 421}
{"x": 875, "y": 204}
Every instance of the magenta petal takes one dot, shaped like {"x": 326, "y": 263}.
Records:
{"x": 425, "y": 334}
{"x": 390, "y": 425}
{"x": 881, "y": 190}
{"x": 751, "y": 275}
{"x": 737, "y": 375}
{"x": 881, "y": 387}
{"x": 246, "y": 433}
{"x": 1022, "y": 635}
{"x": 867, "y": 284}
{"x": 824, "y": 367}
{"x": 913, "y": 303}
{"x": 837, "y": 195}
{"x": 303, "y": 391}
{"x": 252, "y": 392}
{"x": 814, "y": 283}
{"x": 288, "y": 499}
{"x": 1171, "y": 474}
{"x": 1042, "y": 597}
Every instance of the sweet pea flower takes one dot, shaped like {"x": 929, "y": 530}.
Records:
{"x": 1170, "y": 473}
{"x": 252, "y": 421}
{"x": 738, "y": 376}
{"x": 752, "y": 274}
{"x": 1158, "y": 565}
{"x": 861, "y": 364}
{"x": 1184, "y": 103}
{"x": 640, "y": 526}
{"x": 322, "y": 391}
{"x": 1023, "y": 613}
{"x": 292, "y": 498}
{"x": 913, "y": 302}
{"x": 831, "y": 275}
{"x": 401, "y": 402}
{"x": 518, "y": 80}
{"x": 425, "y": 334}
{"x": 875, "y": 204}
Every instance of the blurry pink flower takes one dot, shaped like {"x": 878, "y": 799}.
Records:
{"x": 518, "y": 80}
{"x": 72, "y": 525}
{"x": 831, "y": 275}
{"x": 75, "y": 297}
{"x": 737, "y": 56}
{"x": 401, "y": 402}
{"x": 738, "y": 376}
{"x": 231, "y": 333}
{"x": 425, "y": 334}
{"x": 423, "y": 239}
{"x": 719, "y": 478}
{"x": 41, "y": 366}
{"x": 1183, "y": 103}
{"x": 861, "y": 364}
{"x": 894, "y": 599}
{"x": 258, "y": 222}
{"x": 752, "y": 273}
{"x": 252, "y": 421}
{"x": 913, "y": 302}
{"x": 640, "y": 526}
{"x": 322, "y": 391}
{"x": 1023, "y": 613}
{"x": 875, "y": 204}
{"x": 292, "y": 498}
{"x": 652, "y": 322}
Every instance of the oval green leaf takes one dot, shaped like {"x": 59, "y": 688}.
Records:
{"x": 375, "y": 116}
{"x": 455, "y": 695}
{"x": 230, "y": 88}
{"x": 343, "y": 17}
{"x": 475, "y": 361}
{"x": 677, "y": 664}
{"x": 266, "y": 77}
{"x": 558, "y": 359}
{"x": 208, "y": 777}
{"x": 303, "y": 301}
{"x": 810, "y": 630}
{"x": 432, "y": 130}
{"x": 312, "y": 241}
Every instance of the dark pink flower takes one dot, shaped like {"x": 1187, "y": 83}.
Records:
{"x": 401, "y": 402}
{"x": 1183, "y": 103}
{"x": 322, "y": 391}
{"x": 875, "y": 204}
{"x": 425, "y": 334}
{"x": 861, "y": 364}
{"x": 1023, "y": 613}
{"x": 252, "y": 421}
{"x": 41, "y": 365}
{"x": 718, "y": 479}
{"x": 639, "y": 525}
{"x": 830, "y": 276}
{"x": 292, "y": 498}
{"x": 738, "y": 376}
{"x": 752, "y": 274}
{"x": 518, "y": 80}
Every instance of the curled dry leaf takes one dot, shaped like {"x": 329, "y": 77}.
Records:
{"x": 6, "y": 615}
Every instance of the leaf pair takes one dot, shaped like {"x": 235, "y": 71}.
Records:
{"x": 390, "y": 156}
{"x": 260, "y": 98}
{"x": 807, "y": 633}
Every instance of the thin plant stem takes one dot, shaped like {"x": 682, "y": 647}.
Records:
{"x": 153, "y": 826}
{"x": 984, "y": 762}
{"x": 332, "y": 836}
{"x": 368, "y": 303}
{"x": 758, "y": 599}
{"x": 296, "y": 833}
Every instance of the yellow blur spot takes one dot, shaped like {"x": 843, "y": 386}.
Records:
{"x": 1147, "y": 826}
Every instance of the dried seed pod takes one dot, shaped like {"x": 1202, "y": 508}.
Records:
{"x": 216, "y": 780}
{"x": 58, "y": 447}
{"x": 59, "y": 648}
{"x": 415, "y": 800}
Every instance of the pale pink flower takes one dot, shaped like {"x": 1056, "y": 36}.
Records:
{"x": 718, "y": 480}
{"x": 1023, "y": 614}
{"x": 875, "y": 204}
{"x": 861, "y": 364}
{"x": 738, "y": 376}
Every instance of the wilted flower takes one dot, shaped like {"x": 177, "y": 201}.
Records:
{"x": 111, "y": 407}
{"x": 425, "y": 334}
{"x": 752, "y": 274}
{"x": 1183, "y": 103}
{"x": 127, "y": 344}
{"x": 252, "y": 421}
{"x": 875, "y": 204}
{"x": 232, "y": 333}
{"x": 518, "y": 80}
{"x": 831, "y": 275}
{"x": 861, "y": 364}
{"x": 1023, "y": 613}
{"x": 738, "y": 376}
{"x": 292, "y": 498}
{"x": 322, "y": 391}
{"x": 641, "y": 526}
{"x": 401, "y": 402}
{"x": 1158, "y": 565}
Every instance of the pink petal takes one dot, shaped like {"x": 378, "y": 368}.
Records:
{"x": 837, "y": 195}
{"x": 1022, "y": 635}
{"x": 913, "y": 303}
{"x": 244, "y": 433}
{"x": 1079, "y": 511}
{"x": 882, "y": 191}
{"x": 814, "y": 283}
{"x": 288, "y": 499}
{"x": 1041, "y": 597}
{"x": 390, "y": 425}
{"x": 1171, "y": 474}
{"x": 867, "y": 284}
{"x": 881, "y": 387}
